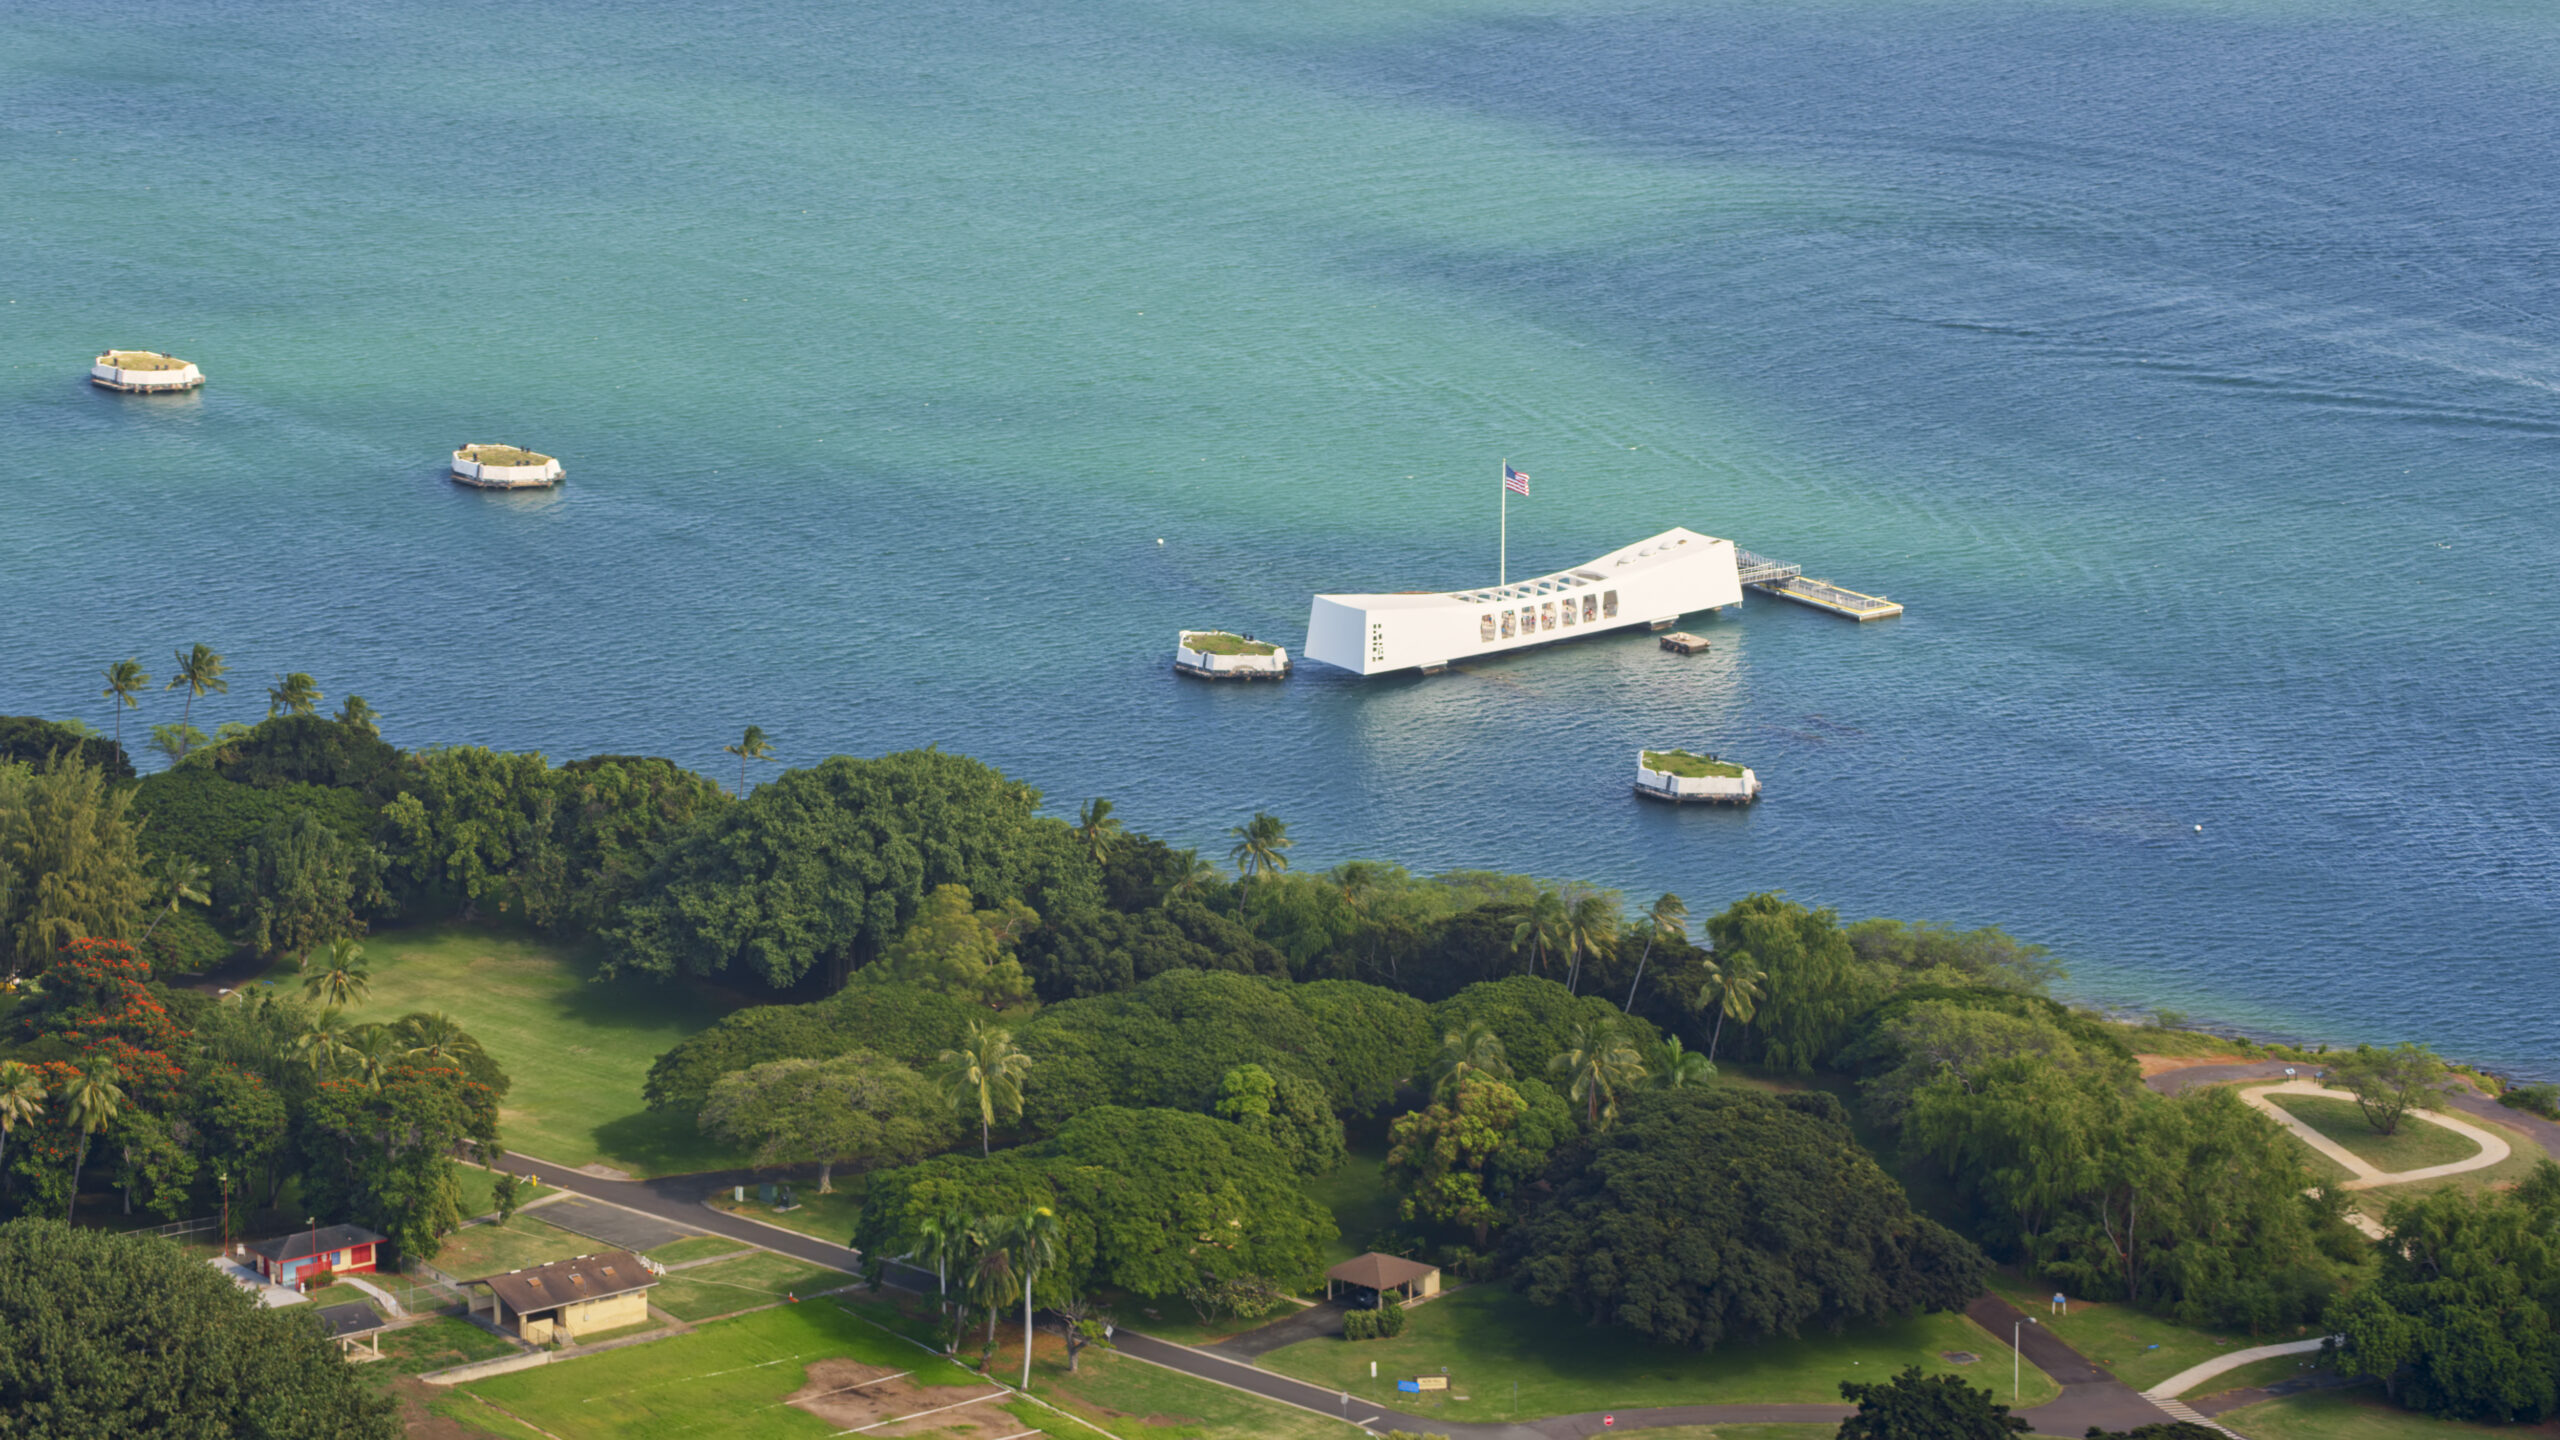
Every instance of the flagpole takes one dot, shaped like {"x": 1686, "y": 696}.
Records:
{"x": 1503, "y": 574}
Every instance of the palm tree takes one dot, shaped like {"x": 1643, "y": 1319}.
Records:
{"x": 1590, "y": 928}
{"x": 21, "y": 1101}
{"x": 1662, "y": 920}
{"x": 988, "y": 1071}
{"x": 990, "y": 1273}
{"x": 294, "y": 694}
{"x": 1683, "y": 1066}
{"x": 1475, "y": 1050}
{"x": 1736, "y": 987}
{"x": 181, "y": 880}
{"x": 371, "y": 1052}
{"x": 1543, "y": 930}
{"x": 91, "y": 1102}
{"x": 434, "y": 1035}
{"x": 750, "y": 746}
{"x": 324, "y": 1043}
{"x": 200, "y": 671}
{"x": 357, "y": 715}
{"x": 125, "y": 682}
{"x": 1033, "y": 1237}
{"x": 943, "y": 1236}
{"x": 1601, "y": 1063}
{"x": 1260, "y": 843}
{"x": 1196, "y": 877}
{"x": 1097, "y": 829}
{"x": 341, "y": 978}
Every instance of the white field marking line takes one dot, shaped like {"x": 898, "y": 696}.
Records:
{"x": 857, "y": 1385}
{"x": 689, "y": 1379}
{"x": 1000, "y": 1390}
{"x": 510, "y": 1414}
{"x": 1025, "y": 1394}
{"x": 2493, "y": 1148}
{"x": 2194, "y": 1375}
{"x": 1018, "y": 1434}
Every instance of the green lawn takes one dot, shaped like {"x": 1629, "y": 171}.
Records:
{"x": 826, "y": 1217}
{"x": 2259, "y": 1373}
{"x": 2141, "y": 1349}
{"x": 726, "y": 1378}
{"x": 695, "y": 1247}
{"x": 338, "y": 1295}
{"x": 478, "y": 1250}
{"x": 2416, "y": 1145}
{"x": 2360, "y": 1413}
{"x": 1488, "y": 1338}
{"x": 1221, "y": 642}
{"x": 1137, "y": 1401}
{"x": 757, "y": 1278}
{"x": 1690, "y": 767}
{"x": 437, "y": 1344}
{"x": 475, "y": 1191}
{"x": 576, "y": 1051}
{"x": 1362, "y": 1205}
{"x": 503, "y": 455}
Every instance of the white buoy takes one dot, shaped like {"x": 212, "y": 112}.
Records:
{"x": 1159, "y": 539}
{"x": 2199, "y": 829}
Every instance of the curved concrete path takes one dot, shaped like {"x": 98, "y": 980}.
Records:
{"x": 2363, "y": 1176}
{"x": 2195, "y": 1375}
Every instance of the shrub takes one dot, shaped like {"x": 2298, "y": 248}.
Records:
{"x": 1360, "y": 1325}
{"x": 1390, "y": 1318}
{"x": 2542, "y": 1100}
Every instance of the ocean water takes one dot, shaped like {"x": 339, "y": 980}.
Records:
{"x": 2187, "y": 368}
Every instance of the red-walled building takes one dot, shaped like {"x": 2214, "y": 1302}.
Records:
{"x": 307, "y": 1254}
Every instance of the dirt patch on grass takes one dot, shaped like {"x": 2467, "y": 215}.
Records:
{"x": 849, "y": 1395}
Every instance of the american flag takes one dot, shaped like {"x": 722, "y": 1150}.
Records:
{"x": 1515, "y": 481}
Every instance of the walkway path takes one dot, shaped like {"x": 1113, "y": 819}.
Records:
{"x": 2363, "y": 1176}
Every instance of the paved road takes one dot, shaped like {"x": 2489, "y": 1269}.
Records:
{"x": 1313, "y": 1323}
{"x": 678, "y": 1200}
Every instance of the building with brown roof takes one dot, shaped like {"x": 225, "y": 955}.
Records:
{"x": 1383, "y": 1273}
{"x": 567, "y": 1298}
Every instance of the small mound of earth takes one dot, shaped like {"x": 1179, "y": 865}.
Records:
{"x": 851, "y": 1395}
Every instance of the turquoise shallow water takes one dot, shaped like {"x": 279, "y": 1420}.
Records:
{"x": 2189, "y": 370}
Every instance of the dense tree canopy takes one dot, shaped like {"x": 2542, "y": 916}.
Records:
{"x": 1102, "y": 952}
{"x": 2464, "y": 1319}
{"x": 859, "y": 1108}
{"x": 1535, "y": 1018}
{"x": 1465, "y": 1160}
{"x": 899, "y": 1021}
{"x": 1816, "y": 987}
{"x": 1933, "y": 1037}
{"x": 819, "y": 869}
{"x": 1153, "y": 1202}
{"x": 1708, "y": 1215}
{"x": 2193, "y": 1205}
{"x": 70, "y": 859}
{"x": 31, "y": 740}
{"x": 1914, "y": 1406}
{"x": 129, "y": 1336}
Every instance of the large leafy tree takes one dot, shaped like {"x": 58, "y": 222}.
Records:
{"x": 2463, "y": 1321}
{"x": 2390, "y": 1083}
{"x": 821, "y": 868}
{"x": 953, "y": 947}
{"x": 613, "y": 817}
{"x": 471, "y": 820}
{"x": 1914, "y": 1406}
{"x": 856, "y": 1109}
{"x": 898, "y": 1021}
{"x": 302, "y": 885}
{"x": 70, "y": 858}
{"x": 1720, "y": 1214}
{"x": 1536, "y": 1019}
{"x": 1463, "y": 1160}
{"x": 380, "y": 1153}
{"x": 124, "y": 1335}
{"x": 1290, "y": 1111}
{"x": 1815, "y": 985}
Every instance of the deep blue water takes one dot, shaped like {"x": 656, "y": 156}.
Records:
{"x": 2187, "y": 368}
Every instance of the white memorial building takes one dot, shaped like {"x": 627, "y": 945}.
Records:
{"x": 1652, "y": 583}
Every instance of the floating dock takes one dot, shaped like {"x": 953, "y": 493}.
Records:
{"x": 143, "y": 372}
{"x": 1835, "y": 599}
{"x": 505, "y": 467}
{"x": 1225, "y": 655}
{"x": 1680, "y": 778}
{"x": 1681, "y": 642}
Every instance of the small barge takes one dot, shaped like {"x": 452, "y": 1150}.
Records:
{"x": 143, "y": 372}
{"x": 1681, "y": 642}
{"x": 1225, "y": 655}
{"x": 505, "y": 467}
{"x": 1681, "y": 778}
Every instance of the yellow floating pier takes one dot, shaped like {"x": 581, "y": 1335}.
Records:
{"x": 1837, "y": 599}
